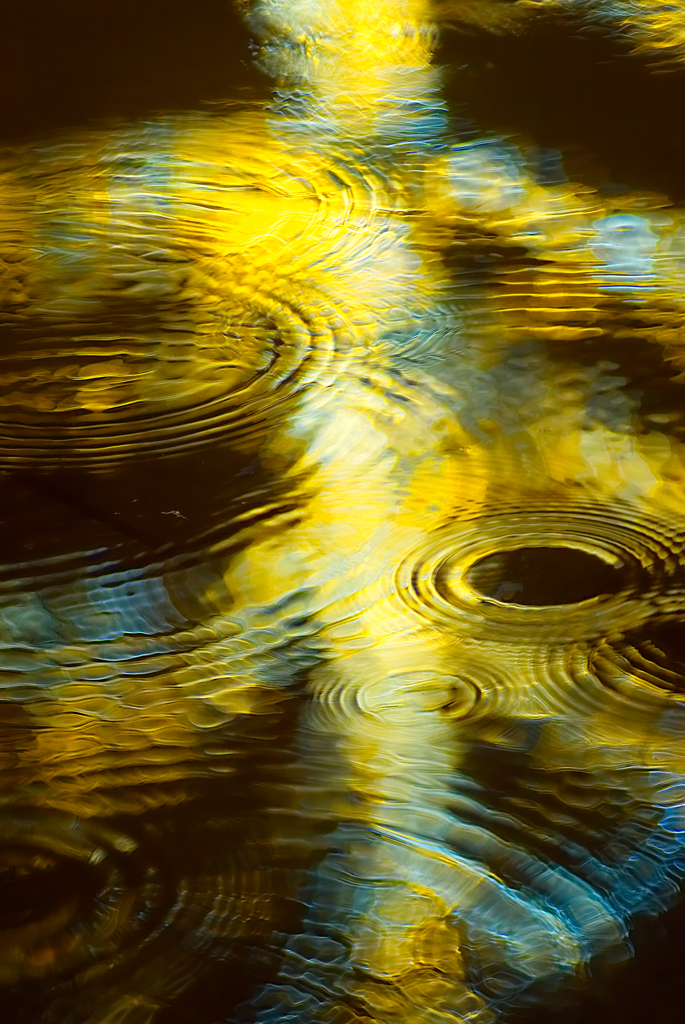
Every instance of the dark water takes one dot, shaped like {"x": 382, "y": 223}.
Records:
{"x": 342, "y": 491}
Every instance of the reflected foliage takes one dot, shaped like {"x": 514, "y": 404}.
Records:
{"x": 342, "y": 584}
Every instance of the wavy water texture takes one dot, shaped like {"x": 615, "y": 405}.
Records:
{"x": 653, "y": 29}
{"x": 342, "y": 585}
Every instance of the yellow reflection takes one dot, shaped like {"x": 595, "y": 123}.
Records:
{"x": 360, "y": 62}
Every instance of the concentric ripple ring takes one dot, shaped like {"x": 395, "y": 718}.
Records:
{"x": 99, "y": 901}
{"x": 120, "y": 337}
{"x": 451, "y": 580}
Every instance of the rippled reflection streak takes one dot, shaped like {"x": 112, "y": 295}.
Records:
{"x": 656, "y": 30}
{"x": 342, "y": 597}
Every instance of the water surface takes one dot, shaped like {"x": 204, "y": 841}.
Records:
{"x": 342, "y": 580}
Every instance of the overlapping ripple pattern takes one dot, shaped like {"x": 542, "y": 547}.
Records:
{"x": 342, "y": 571}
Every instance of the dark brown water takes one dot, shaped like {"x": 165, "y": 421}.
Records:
{"x": 342, "y": 494}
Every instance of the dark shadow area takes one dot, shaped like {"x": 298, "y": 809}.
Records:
{"x": 67, "y": 63}
{"x": 616, "y": 121}
{"x": 645, "y": 988}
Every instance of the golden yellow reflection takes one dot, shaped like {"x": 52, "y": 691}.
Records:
{"x": 342, "y": 591}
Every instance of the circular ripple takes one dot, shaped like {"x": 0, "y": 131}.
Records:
{"x": 79, "y": 897}
{"x": 97, "y": 399}
{"x": 648, "y": 660}
{"x": 551, "y": 574}
{"x": 174, "y": 283}
{"x": 73, "y": 894}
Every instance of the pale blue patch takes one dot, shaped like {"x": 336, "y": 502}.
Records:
{"x": 626, "y": 246}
